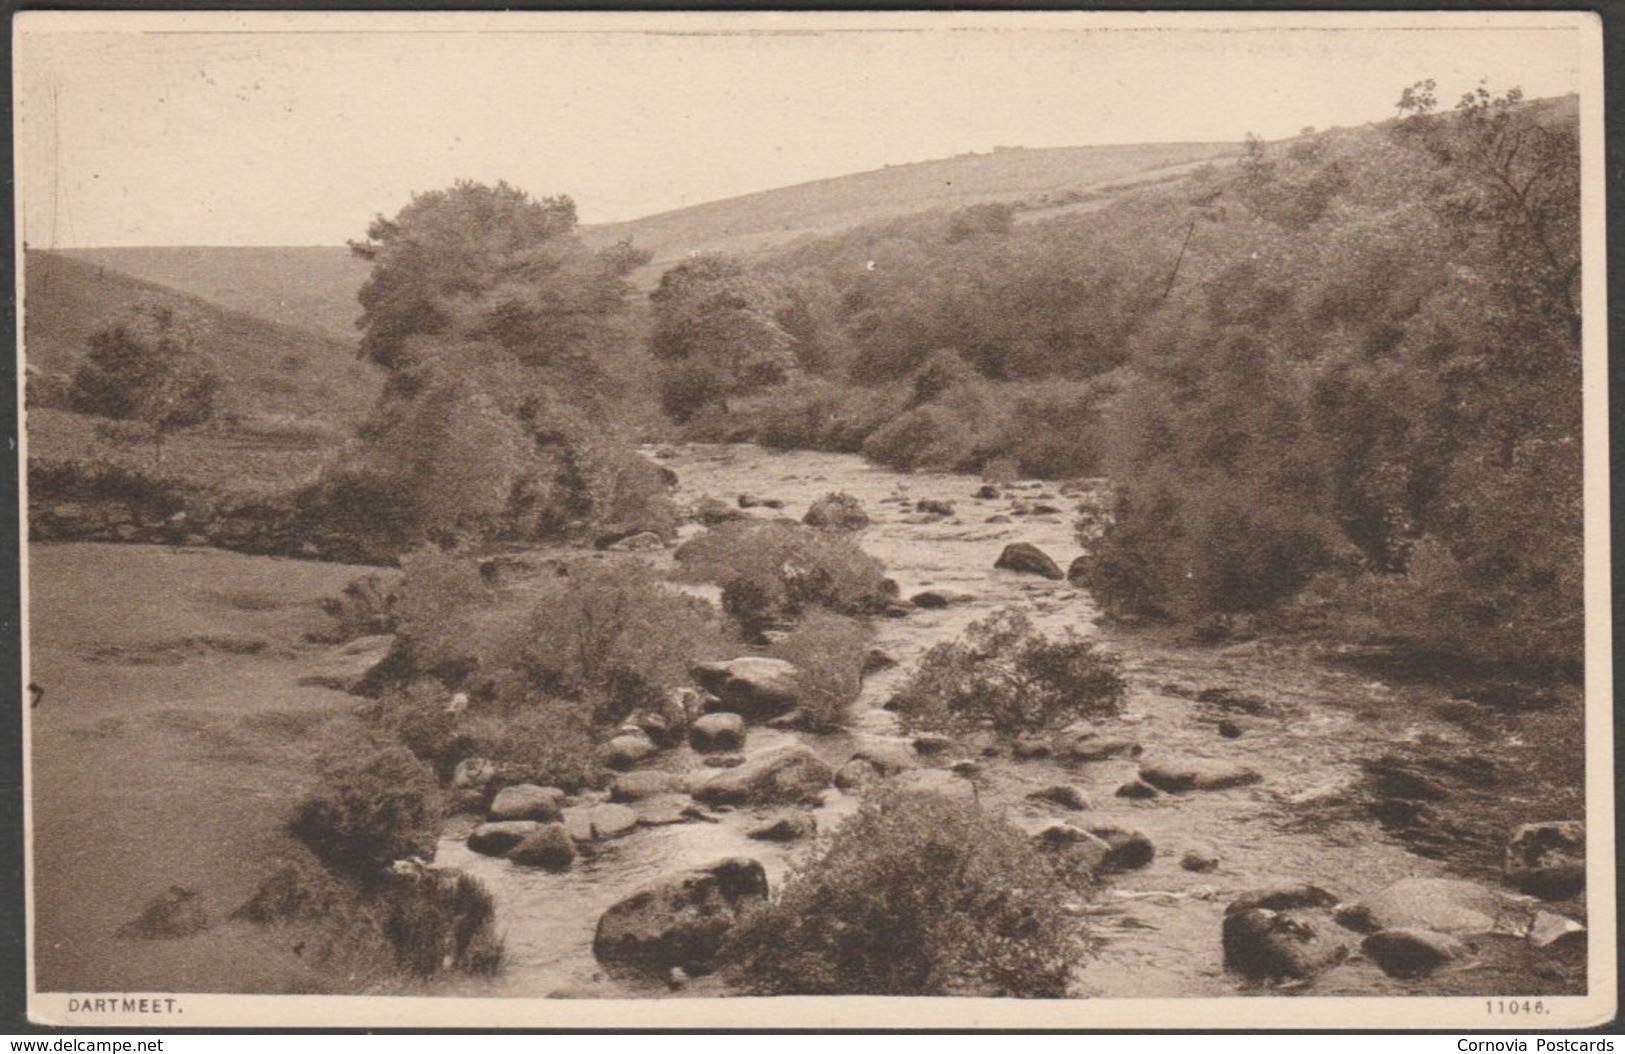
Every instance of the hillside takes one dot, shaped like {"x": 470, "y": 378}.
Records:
{"x": 314, "y": 287}
{"x": 1035, "y": 180}
{"x": 274, "y": 370}
{"x": 307, "y": 287}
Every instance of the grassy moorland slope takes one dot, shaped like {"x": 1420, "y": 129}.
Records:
{"x": 272, "y": 369}
{"x": 1034, "y": 180}
{"x": 308, "y": 287}
{"x": 314, "y": 287}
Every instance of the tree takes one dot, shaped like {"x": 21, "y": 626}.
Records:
{"x": 146, "y": 369}
{"x": 716, "y": 328}
{"x": 487, "y": 263}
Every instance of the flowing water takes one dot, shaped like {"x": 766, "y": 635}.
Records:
{"x": 1309, "y": 726}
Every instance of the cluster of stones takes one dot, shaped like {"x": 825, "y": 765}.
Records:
{"x": 1414, "y": 926}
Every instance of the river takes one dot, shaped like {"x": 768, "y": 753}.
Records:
{"x": 1312, "y": 724}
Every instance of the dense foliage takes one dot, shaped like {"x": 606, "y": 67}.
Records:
{"x": 1340, "y": 377}
{"x": 148, "y": 369}
{"x": 1006, "y": 675}
{"x": 507, "y": 341}
{"x": 915, "y": 895}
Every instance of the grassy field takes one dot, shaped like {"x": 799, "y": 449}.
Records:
{"x": 173, "y": 740}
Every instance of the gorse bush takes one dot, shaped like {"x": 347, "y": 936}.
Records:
{"x": 375, "y": 803}
{"x": 829, "y": 650}
{"x": 915, "y": 895}
{"x": 1006, "y": 675}
{"x": 608, "y": 635}
{"x": 771, "y": 573}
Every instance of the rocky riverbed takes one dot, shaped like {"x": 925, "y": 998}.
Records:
{"x": 1342, "y": 826}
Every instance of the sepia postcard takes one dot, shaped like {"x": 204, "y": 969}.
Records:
{"x": 812, "y": 520}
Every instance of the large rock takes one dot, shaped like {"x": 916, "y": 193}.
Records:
{"x": 1087, "y": 743}
{"x": 1282, "y": 932}
{"x": 1127, "y": 849}
{"x": 756, "y": 687}
{"x": 1077, "y": 572}
{"x": 836, "y": 512}
{"x": 1548, "y": 859}
{"x": 1188, "y": 774}
{"x": 786, "y": 775}
{"x": 1028, "y": 559}
{"x": 1411, "y": 952}
{"x": 681, "y": 920}
{"x": 1443, "y": 905}
{"x": 527, "y": 801}
{"x": 717, "y": 733}
{"x": 636, "y": 786}
{"x": 550, "y": 847}
{"x": 598, "y": 823}
{"x": 791, "y": 827}
{"x": 495, "y": 839}
{"x": 627, "y": 750}
{"x": 1063, "y": 794}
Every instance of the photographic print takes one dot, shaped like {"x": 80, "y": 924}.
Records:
{"x": 815, "y": 520}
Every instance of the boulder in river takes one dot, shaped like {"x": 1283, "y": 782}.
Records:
{"x": 1282, "y": 932}
{"x": 1548, "y": 859}
{"x": 932, "y": 743}
{"x": 636, "y": 786}
{"x": 1443, "y": 905}
{"x": 1187, "y": 774}
{"x": 1411, "y": 952}
{"x": 1063, "y": 794}
{"x": 790, "y": 827}
{"x": 1137, "y": 790}
{"x": 755, "y": 687}
{"x": 934, "y": 507}
{"x": 1077, "y": 572}
{"x": 930, "y": 600}
{"x": 1128, "y": 849}
{"x": 1027, "y": 558}
{"x": 717, "y": 733}
{"x": 1200, "y": 858}
{"x": 784, "y": 775}
{"x": 1083, "y": 742}
{"x": 681, "y": 920}
{"x": 495, "y": 839}
{"x": 627, "y": 750}
{"x": 1548, "y": 928}
{"x": 598, "y": 823}
{"x": 550, "y": 846}
{"x": 836, "y": 512}
{"x": 527, "y": 801}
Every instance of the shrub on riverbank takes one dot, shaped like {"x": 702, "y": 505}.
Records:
{"x": 916, "y": 895}
{"x": 828, "y": 650}
{"x": 376, "y": 803}
{"x": 772, "y": 573}
{"x": 1006, "y": 675}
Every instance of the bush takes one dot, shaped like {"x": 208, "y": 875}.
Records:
{"x": 771, "y": 573}
{"x": 439, "y": 920}
{"x": 829, "y": 651}
{"x": 544, "y": 741}
{"x": 915, "y": 895}
{"x": 363, "y": 608}
{"x": 607, "y": 634}
{"x": 813, "y": 413}
{"x": 375, "y": 804}
{"x": 611, "y": 634}
{"x": 1007, "y": 675}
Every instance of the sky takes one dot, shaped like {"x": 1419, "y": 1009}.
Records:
{"x": 176, "y": 129}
